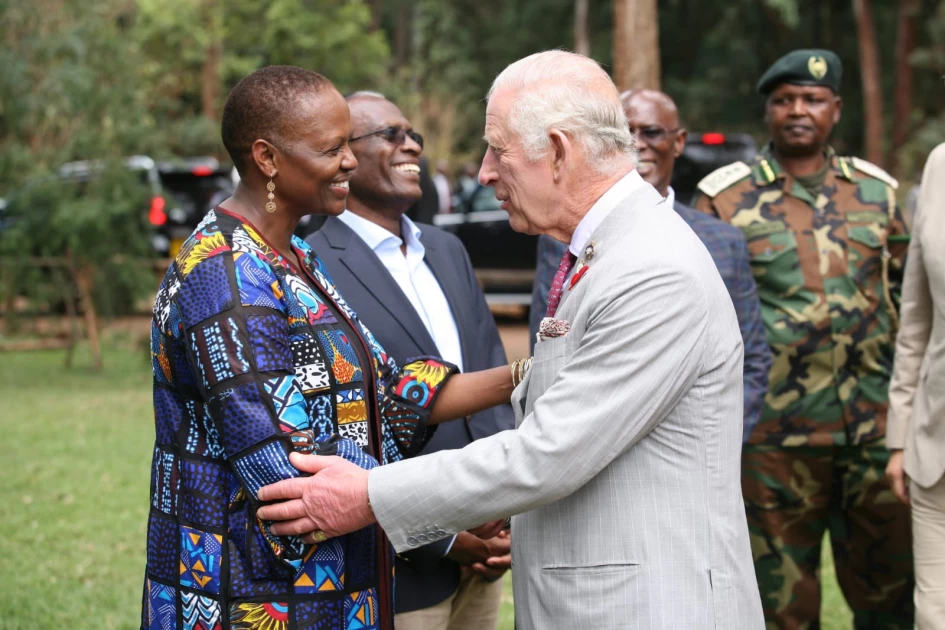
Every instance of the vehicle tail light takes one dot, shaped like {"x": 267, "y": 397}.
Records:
{"x": 713, "y": 138}
{"x": 202, "y": 171}
{"x": 156, "y": 214}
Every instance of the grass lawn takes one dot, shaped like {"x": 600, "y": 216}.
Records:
{"x": 76, "y": 453}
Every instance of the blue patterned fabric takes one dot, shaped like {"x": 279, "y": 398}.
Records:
{"x": 251, "y": 360}
{"x": 727, "y": 247}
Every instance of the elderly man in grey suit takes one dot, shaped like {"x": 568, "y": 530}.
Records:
{"x": 623, "y": 472}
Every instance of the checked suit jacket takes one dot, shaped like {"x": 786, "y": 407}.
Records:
{"x": 423, "y": 576}
{"x": 726, "y": 245}
{"x": 624, "y": 469}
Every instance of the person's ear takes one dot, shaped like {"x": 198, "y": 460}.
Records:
{"x": 562, "y": 152}
{"x": 838, "y": 110}
{"x": 264, "y": 156}
{"x": 680, "y": 144}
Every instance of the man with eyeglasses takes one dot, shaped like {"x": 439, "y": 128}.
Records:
{"x": 827, "y": 244}
{"x": 659, "y": 138}
{"x": 414, "y": 287}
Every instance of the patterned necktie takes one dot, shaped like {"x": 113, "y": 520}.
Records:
{"x": 557, "y": 285}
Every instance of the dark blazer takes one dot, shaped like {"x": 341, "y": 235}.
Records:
{"x": 726, "y": 245}
{"x": 424, "y": 576}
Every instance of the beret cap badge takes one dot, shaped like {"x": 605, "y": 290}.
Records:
{"x": 817, "y": 67}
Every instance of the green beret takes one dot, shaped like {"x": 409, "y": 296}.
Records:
{"x": 811, "y": 66}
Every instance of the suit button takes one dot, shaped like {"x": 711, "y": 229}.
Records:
{"x": 412, "y": 541}
{"x": 422, "y": 538}
{"x": 441, "y": 533}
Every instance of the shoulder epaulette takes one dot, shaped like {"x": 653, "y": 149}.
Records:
{"x": 874, "y": 171}
{"x": 721, "y": 178}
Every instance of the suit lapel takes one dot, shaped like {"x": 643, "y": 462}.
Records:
{"x": 367, "y": 269}
{"x": 644, "y": 199}
{"x": 439, "y": 263}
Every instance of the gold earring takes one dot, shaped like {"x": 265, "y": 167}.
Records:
{"x": 271, "y": 205}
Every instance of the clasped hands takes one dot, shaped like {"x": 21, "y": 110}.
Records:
{"x": 333, "y": 501}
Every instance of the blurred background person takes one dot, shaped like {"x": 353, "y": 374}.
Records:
{"x": 916, "y": 430}
{"x": 660, "y": 139}
{"x": 827, "y": 244}
{"x": 414, "y": 287}
{"x": 467, "y": 183}
{"x": 441, "y": 179}
{"x": 428, "y": 205}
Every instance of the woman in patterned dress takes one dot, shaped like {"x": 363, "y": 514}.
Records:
{"x": 256, "y": 355}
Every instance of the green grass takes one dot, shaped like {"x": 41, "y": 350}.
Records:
{"x": 76, "y": 453}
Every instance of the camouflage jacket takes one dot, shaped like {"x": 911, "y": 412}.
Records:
{"x": 829, "y": 275}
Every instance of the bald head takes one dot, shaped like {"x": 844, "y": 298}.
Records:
{"x": 653, "y": 118}
{"x": 660, "y": 100}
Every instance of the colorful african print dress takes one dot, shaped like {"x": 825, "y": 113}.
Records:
{"x": 253, "y": 359}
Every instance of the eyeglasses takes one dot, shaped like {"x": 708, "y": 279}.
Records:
{"x": 652, "y": 133}
{"x": 395, "y": 135}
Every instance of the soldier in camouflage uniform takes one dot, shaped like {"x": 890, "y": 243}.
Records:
{"x": 827, "y": 243}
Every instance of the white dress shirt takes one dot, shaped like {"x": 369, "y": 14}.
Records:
{"x": 414, "y": 278}
{"x": 599, "y": 211}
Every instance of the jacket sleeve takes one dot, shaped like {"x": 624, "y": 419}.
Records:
{"x": 757, "y": 353}
{"x": 502, "y": 417}
{"x": 549, "y": 256}
{"x": 405, "y": 397}
{"x": 916, "y": 312}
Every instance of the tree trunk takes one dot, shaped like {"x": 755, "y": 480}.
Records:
{"x": 375, "y": 6}
{"x": 636, "y": 45}
{"x": 870, "y": 74}
{"x": 582, "y": 43}
{"x": 905, "y": 44}
{"x": 210, "y": 76}
{"x": 402, "y": 35}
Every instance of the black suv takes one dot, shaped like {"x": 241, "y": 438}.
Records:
{"x": 504, "y": 260}
{"x": 181, "y": 193}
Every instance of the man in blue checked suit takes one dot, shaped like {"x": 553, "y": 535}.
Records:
{"x": 654, "y": 122}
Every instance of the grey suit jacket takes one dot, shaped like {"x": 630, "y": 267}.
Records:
{"x": 624, "y": 470}
{"x": 424, "y": 576}
{"x": 917, "y": 391}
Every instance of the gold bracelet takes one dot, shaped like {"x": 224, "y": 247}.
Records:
{"x": 519, "y": 369}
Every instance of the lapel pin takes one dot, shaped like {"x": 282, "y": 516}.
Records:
{"x": 589, "y": 251}
{"x": 577, "y": 276}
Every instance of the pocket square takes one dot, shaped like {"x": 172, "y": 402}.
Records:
{"x": 551, "y": 328}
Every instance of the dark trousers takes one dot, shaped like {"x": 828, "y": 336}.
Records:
{"x": 792, "y": 497}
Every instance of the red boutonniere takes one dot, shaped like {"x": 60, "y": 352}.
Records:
{"x": 577, "y": 276}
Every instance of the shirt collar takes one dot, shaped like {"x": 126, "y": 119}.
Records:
{"x": 628, "y": 184}
{"x": 377, "y": 237}
{"x": 671, "y": 197}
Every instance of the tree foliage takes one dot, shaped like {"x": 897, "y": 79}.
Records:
{"x": 112, "y": 78}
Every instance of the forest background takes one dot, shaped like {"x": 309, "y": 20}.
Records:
{"x": 112, "y": 78}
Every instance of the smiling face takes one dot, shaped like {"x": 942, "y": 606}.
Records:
{"x": 316, "y": 163}
{"x": 388, "y": 174}
{"x": 801, "y": 117}
{"x": 526, "y": 189}
{"x": 654, "y": 122}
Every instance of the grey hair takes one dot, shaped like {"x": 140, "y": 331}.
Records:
{"x": 364, "y": 94}
{"x": 557, "y": 89}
